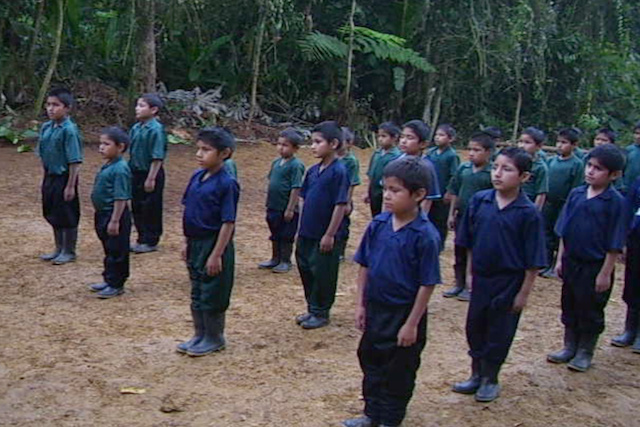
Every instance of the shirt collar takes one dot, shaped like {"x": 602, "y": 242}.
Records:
{"x": 522, "y": 201}
{"x": 416, "y": 224}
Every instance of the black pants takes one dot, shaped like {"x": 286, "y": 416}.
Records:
{"x": 375, "y": 202}
{"x": 491, "y": 322}
{"x": 389, "y": 370}
{"x": 147, "y": 207}
{"x": 631, "y": 294}
{"x": 438, "y": 215}
{"x": 460, "y": 264}
{"x": 58, "y": 212}
{"x": 116, "y": 248}
{"x": 551, "y": 212}
{"x": 582, "y": 306}
{"x": 282, "y": 230}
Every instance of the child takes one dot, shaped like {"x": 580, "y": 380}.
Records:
{"x": 496, "y": 134}
{"x": 325, "y": 193}
{"x": 147, "y": 154}
{"x": 607, "y": 136}
{"x": 592, "y": 228}
{"x": 632, "y": 168}
{"x": 398, "y": 259}
{"x": 210, "y": 205}
{"x": 388, "y": 134}
{"x": 566, "y": 172}
{"x": 503, "y": 232}
{"x": 352, "y": 165}
{"x": 60, "y": 150}
{"x": 285, "y": 180}
{"x": 446, "y": 161}
{"x": 111, "y": 191}
{"x": 471, "y": 177}
{"x": 538, "y": 185}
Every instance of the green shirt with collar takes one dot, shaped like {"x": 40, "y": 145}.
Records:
{"x": 113, "y": 182}
{"x": 446, "y": 164}
{"x": 148, "y": 143}
{"x": 465, "y": 183}
{"x": 59, "y": 145}
{"x": 379, "y": 160}
{"x": 352, "y": 164}
{"x": 283, "y": 178}
{"x": 538, "y": 182}
{"x": 231, "y": 167}
{"x": 564, "y": 175}
{"x": 632, "y": 169}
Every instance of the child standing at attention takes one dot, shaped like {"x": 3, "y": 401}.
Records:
{"x": 210, "y": 206}
{"x": 60, "y": 150}
{"x": 632, "y": 168}
{"x": 111, "y": 191}
{"x": 399, "y": 267}
{"x": 285, "y": 180}
{"x": 537, "y": 187}
{"x": 593, "y": 230}
{"x": 352, "y": 164}
{"x": 325, "y": 193}
{"x": 388, "y": 135}
{"x": 147, "y": 154}
{"x": 503, "y": 232}
{"x": 444, "y": 158}
{"x": 607, "y": 136}
{"x": 471, "y": 177}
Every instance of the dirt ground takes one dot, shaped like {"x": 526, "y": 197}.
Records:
{"x": 65, "y": 355}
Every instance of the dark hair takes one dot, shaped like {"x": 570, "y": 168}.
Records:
{"x": 571, "y": 134}
{"x": 411, "y": 170}
{"x": 483, "y": 139}
{"x": 347, "y": 134}
{"x": 152, "y": 100}
{"x": 535, "y": 133}
{"x": 329, "y": 130}
{"x": 293, "y": 136}
{"x": 520, "y": 158}
{"x": 610, "y": 134}
{"x": 64, "y": 95}
{"x": 218, "y": 137}
{"x": 636, "y": 127}
{"x": 420, "y": 128}
{"x": 116, "y": 135}
{"x": 448, "y": 129}
{"x": 493, "y": 131}
{"x": 390, "y": 128}
{"x": 609, "y": 156}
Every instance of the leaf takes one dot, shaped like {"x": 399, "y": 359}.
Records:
{"x": 24, "y": 148}
{"x": 319, "y": 47}
{"x": 29, "y": 134}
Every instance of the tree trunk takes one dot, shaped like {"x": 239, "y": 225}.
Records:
{"x": 145, "y": 68}
{"x": 36, "y": 34}
{"x": 352, "y": 29}
{"x": 516, "y": 121}
{"x": 54, "y": 59}
{"x": 257, "y": 56}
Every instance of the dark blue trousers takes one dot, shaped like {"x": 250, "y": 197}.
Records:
{"x": 116, "y": 248}
{"x": 280, "y": 229}
{"x": 631, "y": 294}
{"x": 58, "y": 212}
{"x": 147, "y": 207}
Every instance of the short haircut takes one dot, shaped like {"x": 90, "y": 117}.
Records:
{"x": 117, "y": 135}
{"x": 484, "y": 139}
{"x": 637, "y": 126}
{"x": 610, "y": 134}
{"x": 411, "y": 171}
{"x": 347, "y": 134}
{"x": 448, "y": 129}
{"x": 293, "y": 136}
{"x": 493, "y": 131}
{"x": 329, "y": 130}
{"x": 609, "y": 156}
{"x": 390, "y": 128}
{"x": 571, "y": 134}
{"x": 218, "y": 137}
{"x": 63, "y": 94}
{"x": 152, "y": 100}
{"x": 420, "y": 128}
{"x": 520, "y": 158}
{"x": 537, "y": 134}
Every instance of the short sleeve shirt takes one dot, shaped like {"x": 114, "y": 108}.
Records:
{"x": 148, "y": 143}
{"x": 465, "y": 183}
{"x": 353, "y": 168}
{"x": 59, "y": 145}
{"x": 538, "y": 182}
{"x": 446, "y": 164}
{"x": 564, "y": 175}
{"x": 283, "y": 177}
{"x": 231, "y": 167}
{"x": 632, "y": 169}
{"x": 113, "y": 182}
{"x": 379, "y": 160}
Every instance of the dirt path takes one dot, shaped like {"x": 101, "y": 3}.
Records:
{"x": 65, "y": 355}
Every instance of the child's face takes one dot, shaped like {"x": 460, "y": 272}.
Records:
{"x": 636, "y": 136}
{"x": 285, "y": 148}
{"x": 442, "y": 139}
{"x": 564, "y": 146}
{"x": 410, "y": 142}
{"x": 397, "y": 198}
{"x": 598, "y": 176}
{"x": 385, "y": 139}
{"x": 505, "y": 176}
{"x": 528, "y": 144}
{"x": 56, "y": 110}
{"x": 601, "y": 139}
{"x": 109, "y": 149}
{"x": 209, "y": 157}
{"x": 322, "y": 148}
{"x": 478, "y": 155}
{"x": 144, "y": 111}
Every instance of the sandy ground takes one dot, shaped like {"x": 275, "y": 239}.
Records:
{"x": 64, "y": 355}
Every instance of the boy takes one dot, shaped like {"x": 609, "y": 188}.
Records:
{"x": 285, "y": 180}
{"x": 503, "y": 232}
{"x": 538, "y": 185}
{"x": 352, "y": 165}
{"x": 471, "y": 177}
{"x": 398, "y": 259}
{"x": 388, "y": 134}
{"x": 632, "y": 169}
{"x": 325, "y": 193}
{"x": 607, "y": 136}
{"x": 210, "y": 205}
{"x": 111, "y": 191}
{"x": 592, "y": 228}
{"x": 60, "y": 150}
{"x": 147, "y": 154}
{"x": 566, "y": 172}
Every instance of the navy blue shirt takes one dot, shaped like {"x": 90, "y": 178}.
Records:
{"x": 210, "y": 203}
{"x": 502, "y": 241}
{"x": 401, "y": 261}
{"x": 633, "y": 201}
{"x": 321, "y": 192}
{"x": 434, "y": 186}
{"x": 592, "y": 227}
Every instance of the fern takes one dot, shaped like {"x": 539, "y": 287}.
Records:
{"x": 319, "y": 47}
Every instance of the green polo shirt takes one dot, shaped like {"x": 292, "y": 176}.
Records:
{"x": 541, "y": 154}
{"x": 352, "y": 164}
{"x": 564, "y": 175}
{"x": 632, "y": 170}
{"x": 148, "y": 143}
{"x": 446, "y": 164}
{"x": 283, "y": 177}
{"x": 379, "y": 160}
{"x": 580, "y": 153}
{"x": 59, "y": 145}
{"x": 113, "y": 182}
{"x": 231, "y": 167}
{"x": 538, "y": 182}
{"x": 465, "y": 183}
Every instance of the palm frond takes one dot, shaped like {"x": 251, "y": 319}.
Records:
{"x": 319, "y": 47}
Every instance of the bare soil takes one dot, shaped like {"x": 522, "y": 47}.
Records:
{"x": 65, "y": 355}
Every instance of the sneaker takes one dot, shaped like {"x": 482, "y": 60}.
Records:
{"x": 110, "y": 292}
{"x": 97, "y": 287}
{"x": 283, "y": 267}
{"x": 453, "y": 292}
{"x": 315, "y": 322}
{"x": 465, "y": 295}
{"x": 302, "y": 318}
{"x": 362, "y": 421}
{"x": 143, "y": 248}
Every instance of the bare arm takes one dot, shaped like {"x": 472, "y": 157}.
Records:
{"x": 540, "y": 201}
{"x": 360, "y": 306}
{"x": 559, "y": 259}
{"x": 408, "y": 334}
{"x": 521, "y": 298}
{"x": 150, "y": 182}
{"x": 426, "y": 206}
{"x": 328, "y": 240}
{"x": 113, "y": 228}
{"x": 451, "y": 221}
{"x": 291, "y": 206}
{"x": 70, "y": 189}
{"x": 214, "y": 262}
{"x": 603, "y": 280}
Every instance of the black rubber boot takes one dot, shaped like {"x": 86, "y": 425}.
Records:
{"x": 582, "y": 360}
{"x": 568, "y": 351}
{"x": 284, "y": 266}
{"x": 471, "y": 385}
{"x": 636, "y": 343}
{"x": 198, "y": 332}
{"x": 630, "y": 330}
{"x": 213, "y": 338}
{"x": 489, "y": 389}
{"x": 275, "y": 256}
{"x": 68, "y": 252}
{"x": 57, "y": 236}
{"x": 316, "y": 321}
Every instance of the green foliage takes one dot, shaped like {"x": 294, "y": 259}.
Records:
{"x": 15, "y": 135}
{"x": 319, "y": 47}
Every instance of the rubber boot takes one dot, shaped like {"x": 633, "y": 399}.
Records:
{"x": 68, "y": 253}
{"x": 465, "y": 295}
{"x": 582, "y": 360}
{"x": 57, "y": 236}
{"x": 489, "y": 389}
{"x": 628, "y": 337}
{"x": 285, "y": 257}
{"x": 198, "y": 332}
{"x": 213, "y": 338}
{"x": 459, "y": 286}
{"x": 636, "y": 343}
{"x": 275, "y": 256}
{"x": 568, "y": 351}
{"x": 471, "y": 385}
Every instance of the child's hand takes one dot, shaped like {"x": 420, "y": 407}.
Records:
{"x": 360, "y": 317}
{"x": 113, "y": 228}
{"x": 69, "y": 194}
{"x": 451, "y": 223}
{"x": 407, "y": 336}
{"x": 558, "y": 268}
{"x": 326, "y": 244}
{"x": 149, "y": 185}
{"x": 366, "y": 200}
{"x": 519, "y": 302}
{"x": 348, "y": 209}
{"x": 214, "y": 265}
{"x": 603, "y": 282}
{"x": 183, "y": 252}
{"x": 288, "y": 215}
